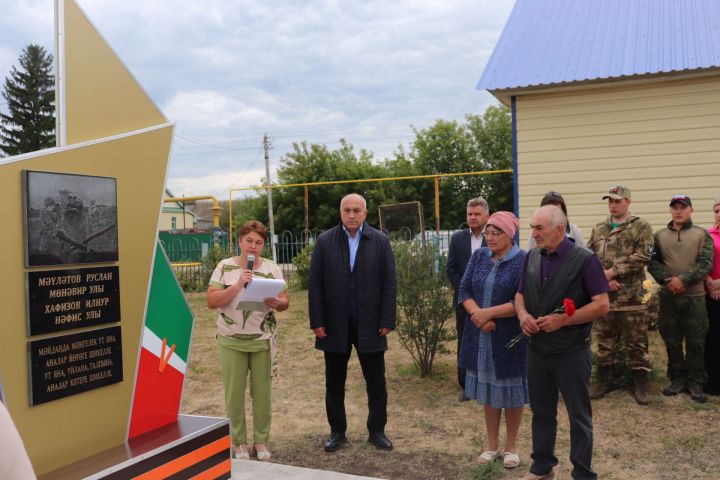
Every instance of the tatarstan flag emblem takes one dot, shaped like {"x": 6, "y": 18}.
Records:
{"x": 163, "y": 352}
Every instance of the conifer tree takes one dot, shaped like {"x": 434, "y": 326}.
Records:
{"x": 29, "y": 91}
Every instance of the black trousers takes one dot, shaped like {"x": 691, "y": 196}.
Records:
{"x": 460, "y": 315}
{"x": 373, "y": 368}
{"x": 569, "y": 374}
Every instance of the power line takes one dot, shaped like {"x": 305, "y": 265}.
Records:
{"x": 209, "y": 144}
{"x": 245, "y": 172}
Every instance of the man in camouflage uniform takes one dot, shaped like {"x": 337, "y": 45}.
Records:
{"x": 623, "y": 242}
{"x": 682, "y": 258}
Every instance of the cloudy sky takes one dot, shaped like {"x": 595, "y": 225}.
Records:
{"x": 228, "y": 71}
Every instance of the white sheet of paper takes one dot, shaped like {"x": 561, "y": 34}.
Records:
{"x": 258, "y": 290}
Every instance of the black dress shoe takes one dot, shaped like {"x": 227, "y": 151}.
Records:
{"x": 380, "y": 440}
{"x": 334, "y": 441}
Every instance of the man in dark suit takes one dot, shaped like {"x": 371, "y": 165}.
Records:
{"x": 351, "y": 298}
{"x": 462, "y": 245}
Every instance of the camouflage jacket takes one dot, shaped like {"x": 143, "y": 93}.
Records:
{"x": 625, "y": 249}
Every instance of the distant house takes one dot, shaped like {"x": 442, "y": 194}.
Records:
{"x": 612, "y": 91}
{"x": 175, "y": 215}
{"x": 203, "y": 214}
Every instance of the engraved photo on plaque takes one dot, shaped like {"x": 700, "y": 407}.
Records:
{"x": 70, "y": 364}
{"x": 69, "y": 218}
{"x": 65, "y": 299}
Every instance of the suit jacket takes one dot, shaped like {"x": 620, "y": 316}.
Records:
{"x": 329, "y": 289}
{"x": 458, "y": 257}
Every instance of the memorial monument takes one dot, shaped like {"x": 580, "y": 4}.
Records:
{"x": 96, "y": 332}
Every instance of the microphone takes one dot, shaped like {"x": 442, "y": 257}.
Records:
{"x": 250, "y": 262}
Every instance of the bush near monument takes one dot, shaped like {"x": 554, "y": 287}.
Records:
{"x": 424, "y": 302}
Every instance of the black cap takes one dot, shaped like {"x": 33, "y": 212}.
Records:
{"x": 684, "y": 199}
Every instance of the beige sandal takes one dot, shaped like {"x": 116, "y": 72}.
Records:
{"x": 241, "y": 452}
{"x": 488, "y": 456}
{"x": 511, "y": 460}
{"x": 263, "y": 454}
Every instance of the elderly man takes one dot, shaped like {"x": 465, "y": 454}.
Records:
{"x": 623, "y": 243}
{"x": 351, "y": 298}
{"x": 462, "y": 246}
{"x": 558, "y": 354}
{"x": 682, "y": 258}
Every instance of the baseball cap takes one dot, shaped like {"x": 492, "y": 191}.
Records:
{"x": 681, "y": 198}
{"x": 617, "y": 192}
{"x": 716, "y": 201}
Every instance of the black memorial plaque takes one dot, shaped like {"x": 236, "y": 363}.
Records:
{"x": 64, "y": 299}
{"x": 75, "y": 363}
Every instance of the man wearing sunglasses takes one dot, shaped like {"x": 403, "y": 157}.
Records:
{"x": 682, "y": 258}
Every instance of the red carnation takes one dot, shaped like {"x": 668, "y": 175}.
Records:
{"x": 569, "y": 306}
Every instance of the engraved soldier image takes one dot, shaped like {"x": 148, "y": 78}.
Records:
{"x": 623, "y": 243}
{"x": 59, "y": 226}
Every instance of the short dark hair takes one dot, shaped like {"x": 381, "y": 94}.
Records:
{"x": 554, "y": 198}
{"x": 252, "y": 226}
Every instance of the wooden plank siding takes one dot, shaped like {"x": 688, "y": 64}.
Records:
{"x": 659, "y": 139}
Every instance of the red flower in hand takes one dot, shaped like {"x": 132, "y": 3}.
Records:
{"x": 569, "y": 306}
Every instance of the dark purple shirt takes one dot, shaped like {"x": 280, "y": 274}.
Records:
{"x": 594, "y": 280}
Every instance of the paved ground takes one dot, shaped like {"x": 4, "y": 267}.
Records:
{"x": 254, "y": 470}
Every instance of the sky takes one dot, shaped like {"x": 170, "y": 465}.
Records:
{"x": 229, "y": 71}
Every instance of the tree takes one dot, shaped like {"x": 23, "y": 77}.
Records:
{"x": 30, "y": 94}
{"x": 317, "y": 163}
{"x": 482, "y": 143}
{"x": 491, "y": 136}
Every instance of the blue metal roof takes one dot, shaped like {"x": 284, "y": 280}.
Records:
{"x": 560, "y": 41}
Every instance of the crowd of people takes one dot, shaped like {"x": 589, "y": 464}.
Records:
{"x": 564, "y": 288}
{"x": 524, "y": 319}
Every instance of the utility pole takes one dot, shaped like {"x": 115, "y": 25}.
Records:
{"x": 266, "y": 148}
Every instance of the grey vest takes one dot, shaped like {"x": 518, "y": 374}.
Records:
{"x": 567, "y": 282}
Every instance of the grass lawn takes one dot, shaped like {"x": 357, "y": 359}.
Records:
{"x": 435, "y": 436}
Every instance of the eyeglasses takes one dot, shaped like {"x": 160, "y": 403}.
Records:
{"x": 492, "y": 233}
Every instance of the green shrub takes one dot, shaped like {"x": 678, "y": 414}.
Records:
{"x": 301, "y": 262}
{"x": 424, "y": 302}
{"x": 215, "y": 254}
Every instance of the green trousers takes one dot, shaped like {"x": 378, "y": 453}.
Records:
{"x": 235, "y": 367}
{"x": 684, "y": 318}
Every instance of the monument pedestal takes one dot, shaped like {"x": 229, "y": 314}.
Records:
{"x": 194, "y": 447}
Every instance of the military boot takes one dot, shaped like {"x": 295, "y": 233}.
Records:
{"x": 641, "y": 387}
{"x": 601, "y": 386}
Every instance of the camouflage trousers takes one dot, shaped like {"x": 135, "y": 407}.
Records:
{"x": 632, "y": 328}
{"x": 684, "y": 318}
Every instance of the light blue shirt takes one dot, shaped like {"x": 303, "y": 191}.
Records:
{"x": 354, "y": 244}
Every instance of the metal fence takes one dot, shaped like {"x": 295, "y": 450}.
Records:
{"x": 190, "y": 259}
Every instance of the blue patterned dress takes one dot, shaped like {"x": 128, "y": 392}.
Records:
{"x": 481, "y": 382}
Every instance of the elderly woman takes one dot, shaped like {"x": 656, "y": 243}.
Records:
{"x": 712, "y": 299}
{"x": 571, "y": 231}
{"x": 496, "y": 375}
{"x": 246, "y": 339}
